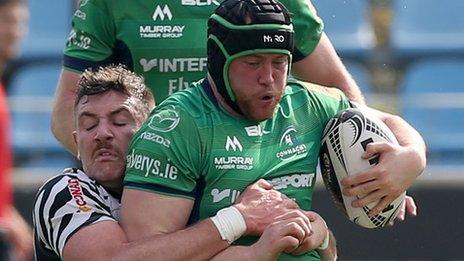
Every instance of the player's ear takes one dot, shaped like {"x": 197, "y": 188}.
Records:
{"x": 75, "y": 142}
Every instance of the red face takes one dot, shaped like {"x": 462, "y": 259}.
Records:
{"x": 13, "y": 25}
{"x": 105, "y": 125}
{"x": 258, "y": 82}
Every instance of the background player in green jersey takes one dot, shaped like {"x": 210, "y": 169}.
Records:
{"x": 201, "y": 147}
{"x": 164, "y": 41}
{"x": 76, "y": 213}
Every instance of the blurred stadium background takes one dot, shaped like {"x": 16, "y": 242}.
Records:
{"x": 406, "y": 55}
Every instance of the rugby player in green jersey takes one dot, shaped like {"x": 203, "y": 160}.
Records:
{"x": 76, "y": 213}
{"x": 164, "y": 41}
{"x": 203, "y": 146}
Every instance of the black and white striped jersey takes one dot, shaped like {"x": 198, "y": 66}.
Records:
{"x": 65, "y": 204}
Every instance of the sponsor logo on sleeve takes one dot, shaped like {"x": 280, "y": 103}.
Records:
{"x": 80, "y": 14}
{"x": 76, "y": 192}
{"x": 79, "y": 40}
{"x": 83, "y": 3}
{"x": 150, "y": 136}
{"x": 150, "y": 166}
{"x": 165, "y": 120}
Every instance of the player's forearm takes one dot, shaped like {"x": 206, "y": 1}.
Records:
{"x": 62, "y": 126}
{"x": 404, "y": 133}
{"x": 199, "y": 242}
{"x": 107, "y": 241}
{"x": 243, "y": 253}
{"x": 407, "y": 136}
{"x": 324, "y": 67}
{"x": 62, "y": 122}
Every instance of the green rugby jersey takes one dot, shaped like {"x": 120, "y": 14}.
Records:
{"x": 165, "y": 40}
{"x": 190, "y": 147}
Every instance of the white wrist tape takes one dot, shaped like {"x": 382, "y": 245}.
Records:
{"x": 325, "y": 243}
{"x": 230, "y": 224}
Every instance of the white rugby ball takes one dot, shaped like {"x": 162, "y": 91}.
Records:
{"x": 345, "y": 138}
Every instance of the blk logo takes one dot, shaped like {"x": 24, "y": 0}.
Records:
{"x": 255, "y": 131}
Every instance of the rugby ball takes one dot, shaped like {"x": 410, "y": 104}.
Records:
{"x": 345, "y": 138}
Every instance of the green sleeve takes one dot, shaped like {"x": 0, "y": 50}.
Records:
{"x": 163, "y": 156}
{"x": 92, "y": 37}
{"x": 307, "y": 25}
{"x": 329, "y": 102}
{"x": 324, "y": 102}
